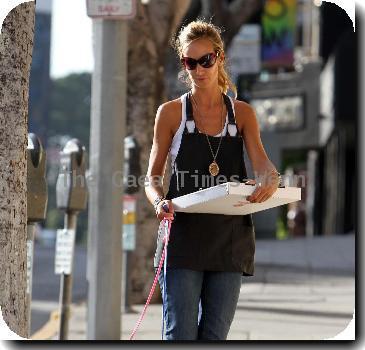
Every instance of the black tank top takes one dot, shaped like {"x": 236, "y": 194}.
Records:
{"x": 200, "y": 241}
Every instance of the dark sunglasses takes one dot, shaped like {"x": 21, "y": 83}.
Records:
{"x": 205, "y": 61}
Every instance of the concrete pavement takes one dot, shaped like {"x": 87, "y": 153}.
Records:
{"x": 284, "y": 305}
{"x": 303, "y": 289}
{"x": 46, "y": 285}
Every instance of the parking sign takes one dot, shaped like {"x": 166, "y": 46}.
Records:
{"x": 111, "y": 9}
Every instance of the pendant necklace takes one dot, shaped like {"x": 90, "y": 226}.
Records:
{"x": 213, "y": 167}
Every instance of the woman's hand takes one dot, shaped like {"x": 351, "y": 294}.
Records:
{"x": 264, "y": 190}
{"x": 161, "y": 213}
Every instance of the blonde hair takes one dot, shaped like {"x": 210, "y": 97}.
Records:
{"x": 200, "y": 29}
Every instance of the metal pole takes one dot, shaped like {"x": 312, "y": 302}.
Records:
{"x": 30, "y": 255}
{"x": 312, "y": 169}
{"x": 66, "y": 286}
{"x": 126, "y": 288}
{"x": 307, "y": 26}
{"x": 105, "y": 180}
{"x": 315, "y": 42}
{"x": 128, "y": 244}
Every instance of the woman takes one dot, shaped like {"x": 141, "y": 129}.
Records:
{"x": 207, "y": 253}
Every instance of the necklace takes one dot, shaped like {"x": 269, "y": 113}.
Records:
{"x": 213, "y": 167}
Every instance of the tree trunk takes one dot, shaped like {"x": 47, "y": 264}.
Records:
{"x": 149, "y": 35}
{"x": 16, "y": 45}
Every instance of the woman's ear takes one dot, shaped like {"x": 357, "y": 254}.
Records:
{"x": 221, "y": 56}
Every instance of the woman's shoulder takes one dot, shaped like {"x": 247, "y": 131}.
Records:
{"x": 170, "y": 106}
{"x": 244, "y": 113}
{"x": 169, "y": 113}
{"x": 242, "y": 107}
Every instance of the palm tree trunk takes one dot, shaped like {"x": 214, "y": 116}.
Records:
{"x": 16, "y": 45}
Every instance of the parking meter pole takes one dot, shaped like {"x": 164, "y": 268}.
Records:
{"x": 131, "y": 168}
{"x": 37, "y": 199}
{"x": 71, "y": 197}
{"x": 127, "y": 305}
{"x": 66, "y": 286}
{"x": 129, "y": 243}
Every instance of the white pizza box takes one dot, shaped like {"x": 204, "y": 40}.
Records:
{"x": 230, "y": 199}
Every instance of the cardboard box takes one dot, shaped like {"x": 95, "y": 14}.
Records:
{"x": 230, "y": 199}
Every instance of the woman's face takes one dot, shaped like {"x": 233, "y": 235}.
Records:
{"x": 200, "y": 76}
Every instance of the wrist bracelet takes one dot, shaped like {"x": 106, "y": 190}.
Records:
{"x": 279, "y": 177}
{"x": 157, "y": 201}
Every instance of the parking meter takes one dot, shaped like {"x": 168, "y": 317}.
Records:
{"x": 132, "y": 166}
{"x": 36, "y": 181}
{"x": 71, "y": 197}
{"x": 71, "y": 188}
{"x": 37, "y": 198}
{"x": 132, "y": 172}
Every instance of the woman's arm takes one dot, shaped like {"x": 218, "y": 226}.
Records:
{"x": 264, "y": 170}
{"x": 162, "y": 139}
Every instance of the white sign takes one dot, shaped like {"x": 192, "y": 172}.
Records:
{"x": 111, "y": 9}
{"x": 129, "y": 222}
{"x": 64, "y": 251}
{"x": 244, "y": 54}
{"x": 129, "y": 237}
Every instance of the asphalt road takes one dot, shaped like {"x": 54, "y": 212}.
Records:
{"x": 46, "y": 284}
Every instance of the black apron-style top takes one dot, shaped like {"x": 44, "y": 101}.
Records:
{"x": 200, "y": 241}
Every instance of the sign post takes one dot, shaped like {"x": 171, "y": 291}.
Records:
{"x": 129, "y": 244}
{"x": 108, "y": 115}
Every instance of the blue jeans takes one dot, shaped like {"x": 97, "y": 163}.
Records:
{"x": 200, "y": 305}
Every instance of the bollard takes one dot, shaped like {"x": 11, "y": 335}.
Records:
{"x": 71, "y": 197}
{"x": 37, "y": 198}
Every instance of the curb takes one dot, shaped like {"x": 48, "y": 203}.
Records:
{"x": 50, "y": 329}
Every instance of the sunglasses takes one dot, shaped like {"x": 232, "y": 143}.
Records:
{"x": 205, "y": 61}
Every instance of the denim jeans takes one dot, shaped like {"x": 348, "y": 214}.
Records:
{"x": 200, "y": 305}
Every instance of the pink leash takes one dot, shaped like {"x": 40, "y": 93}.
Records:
{"x": 166, "y": 241}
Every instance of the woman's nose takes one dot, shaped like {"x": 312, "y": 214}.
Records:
{"x": 199, "y": 69}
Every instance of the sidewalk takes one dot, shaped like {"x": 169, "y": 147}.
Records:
{"x": 302, "y": 290}
{"x": 320, "y": 253}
